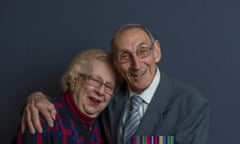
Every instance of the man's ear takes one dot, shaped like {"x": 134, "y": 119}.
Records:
{"x": 157, "y": 51}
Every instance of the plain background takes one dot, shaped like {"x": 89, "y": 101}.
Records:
{"x": 199, "y": 41}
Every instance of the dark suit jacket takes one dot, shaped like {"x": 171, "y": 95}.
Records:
{"x": 176, "y": 109}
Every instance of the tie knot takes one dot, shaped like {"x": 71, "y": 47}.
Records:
{"x": 136, "y": 101}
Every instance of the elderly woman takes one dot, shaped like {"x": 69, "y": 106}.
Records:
{"x": 88, "y": 86}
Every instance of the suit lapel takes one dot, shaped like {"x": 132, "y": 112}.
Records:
{"x": 154, "y": 116}
{"x": 116, "y": 109}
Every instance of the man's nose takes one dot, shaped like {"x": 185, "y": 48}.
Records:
{"x": 135, "y": 61}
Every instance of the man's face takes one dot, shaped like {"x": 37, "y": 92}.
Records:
{"x": 92, "y": 99}
{"x": 138, "y": 72}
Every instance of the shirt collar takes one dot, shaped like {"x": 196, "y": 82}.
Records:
{"x": 148, "y": 93}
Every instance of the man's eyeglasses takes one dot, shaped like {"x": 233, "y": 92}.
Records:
{"x": 97, "y": 82}
{"x": 142, "y": 52}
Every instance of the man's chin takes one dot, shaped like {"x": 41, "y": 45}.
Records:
{"x": 138, "y": 88}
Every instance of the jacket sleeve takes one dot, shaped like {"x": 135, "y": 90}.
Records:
{"x": 195, "y": 126}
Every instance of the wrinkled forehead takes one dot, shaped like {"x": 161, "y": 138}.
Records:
{"x": 131, "y": 39}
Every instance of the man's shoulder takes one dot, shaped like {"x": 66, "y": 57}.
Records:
{"x": 184, "y": 92}
{"x": 188, "y": 91}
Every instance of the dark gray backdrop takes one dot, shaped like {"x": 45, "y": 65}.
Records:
{"x": 199, "y": 39}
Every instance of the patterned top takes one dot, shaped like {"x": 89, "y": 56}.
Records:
{"x": 68, "y": 129}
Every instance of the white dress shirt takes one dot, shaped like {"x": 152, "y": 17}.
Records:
{"x": 146, "y": 96}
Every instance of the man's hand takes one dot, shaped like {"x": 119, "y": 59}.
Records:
{"x": 37, "y": 103}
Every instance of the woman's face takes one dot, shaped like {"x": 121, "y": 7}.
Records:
{"x": 92, "y": 93}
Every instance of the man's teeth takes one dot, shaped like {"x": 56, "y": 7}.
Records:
{"x": 137, "y": 74}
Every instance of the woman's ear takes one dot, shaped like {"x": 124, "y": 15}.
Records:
{"x": 72, "y": 84}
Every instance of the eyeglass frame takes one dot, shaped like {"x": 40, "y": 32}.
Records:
{"x": 99, "y": 83}
{"x": 131, "y": 53}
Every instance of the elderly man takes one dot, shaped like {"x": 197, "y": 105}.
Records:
{"x": 148, "y": 102}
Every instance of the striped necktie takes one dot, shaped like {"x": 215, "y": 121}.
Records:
{"x": 133, "y": 118}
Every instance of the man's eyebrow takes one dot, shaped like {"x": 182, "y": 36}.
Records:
{"x": 126, "y": 50}
{"x": 143, "y": 43}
